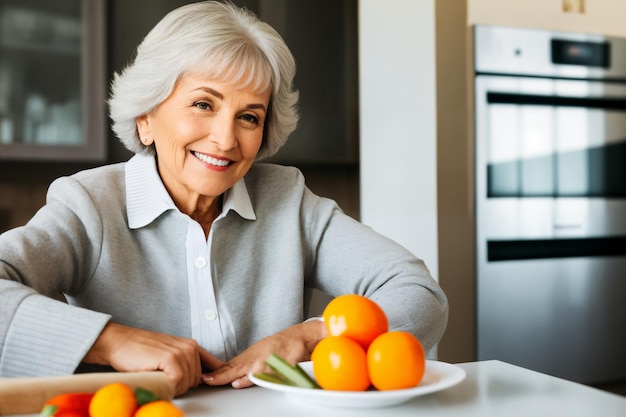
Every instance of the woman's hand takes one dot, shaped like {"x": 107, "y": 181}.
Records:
{"x": 128, "y": 349}
{"x": 294, "y": 344}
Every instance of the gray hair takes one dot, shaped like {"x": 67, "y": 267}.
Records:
{"x": 215, "y": 39}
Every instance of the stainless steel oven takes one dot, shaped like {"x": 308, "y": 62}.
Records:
{"x": 550, "y": 117}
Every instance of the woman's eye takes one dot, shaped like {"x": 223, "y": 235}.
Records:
{"x": 250, "y": 118}
{"x": 202, "y": 105}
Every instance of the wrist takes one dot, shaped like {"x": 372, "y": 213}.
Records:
{"x": 98, "y": 354}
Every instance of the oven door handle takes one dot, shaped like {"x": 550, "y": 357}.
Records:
{"x": 523, "y": 249}
{"x": 611, "y": 103}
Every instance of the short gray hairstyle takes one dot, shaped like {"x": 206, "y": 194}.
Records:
{"x": 216, "y": 39}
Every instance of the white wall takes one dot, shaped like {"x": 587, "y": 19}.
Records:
{"x": 398, "y": 123}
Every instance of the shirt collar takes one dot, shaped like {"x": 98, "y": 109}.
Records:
{"x": 147, "y": 198}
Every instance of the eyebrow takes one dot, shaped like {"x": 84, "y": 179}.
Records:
{"x": 210, "y": 91}
{"x": 221, "y": 97}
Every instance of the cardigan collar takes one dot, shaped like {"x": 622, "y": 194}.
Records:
{"x": 147, "y": 197}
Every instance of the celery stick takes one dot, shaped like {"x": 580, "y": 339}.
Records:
{"x": 274, "y": 378}
{"x": 292, "y": 373}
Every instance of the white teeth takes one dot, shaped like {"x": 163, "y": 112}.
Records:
{"x": 210, "y": 160}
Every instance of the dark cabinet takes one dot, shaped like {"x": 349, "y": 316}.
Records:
{"x": 52, "y": 80}
{"x": 323, "y": 36}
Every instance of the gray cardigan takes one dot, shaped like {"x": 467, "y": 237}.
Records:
{"x": 79, "y": 248}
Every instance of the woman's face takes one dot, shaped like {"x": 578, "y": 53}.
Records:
{"x": 207, "y": 135}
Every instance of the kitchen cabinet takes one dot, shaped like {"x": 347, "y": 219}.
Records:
{"x": 52, "y": 80}
{"x": 604, "y": 17}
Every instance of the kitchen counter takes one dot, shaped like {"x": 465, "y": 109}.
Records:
{"x": 490, "y": 388}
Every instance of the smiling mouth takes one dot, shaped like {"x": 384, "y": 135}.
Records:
{"x": 210, "y": 160}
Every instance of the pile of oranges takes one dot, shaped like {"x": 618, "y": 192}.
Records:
{"x": 112, "y": 400}
{"x": 360, "y": 352}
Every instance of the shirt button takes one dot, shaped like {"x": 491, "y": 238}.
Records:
{"x": 210, "y": 315}
{"x": 200, "y": 262}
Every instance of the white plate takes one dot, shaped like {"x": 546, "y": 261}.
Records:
{"x": 438, "y": 376}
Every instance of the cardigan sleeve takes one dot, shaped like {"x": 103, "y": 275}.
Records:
{"x": 52, "y": 255}
{"x": 353, "y": 258}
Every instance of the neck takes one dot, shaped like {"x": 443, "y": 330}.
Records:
{"x": 204, "y": 212}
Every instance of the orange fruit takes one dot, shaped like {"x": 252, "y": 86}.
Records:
{"x": 115, "y": 399}
{"x": 356, "y": 317}
{"x": 340, "y": 363}
{"x": 395, "y": 360}
{"x": 159, "y": 408}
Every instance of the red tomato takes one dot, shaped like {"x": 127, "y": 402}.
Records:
{"x": 76, "y": 403}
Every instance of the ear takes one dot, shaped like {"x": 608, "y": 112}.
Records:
{"x": 143, "y": 129}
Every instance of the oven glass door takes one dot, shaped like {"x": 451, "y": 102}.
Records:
{"x": 551, "y": 157}
{"x": 556, "y": 146}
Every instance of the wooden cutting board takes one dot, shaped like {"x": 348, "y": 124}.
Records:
{"x": 28, "y": 395}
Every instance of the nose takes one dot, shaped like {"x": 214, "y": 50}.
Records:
{"x": 223, "y": 132}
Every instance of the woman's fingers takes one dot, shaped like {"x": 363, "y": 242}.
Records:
{"x": 190, "y": 351}
{"x": 209, "y": 362}
{"x": 243, "y": 382}
{"x": 294, "y": 344}
{"x": 128, "y": 349}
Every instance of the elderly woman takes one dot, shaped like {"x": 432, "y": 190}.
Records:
{"x": 191, "y": 258}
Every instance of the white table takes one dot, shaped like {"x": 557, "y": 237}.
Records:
{"x": 491, "y": 388}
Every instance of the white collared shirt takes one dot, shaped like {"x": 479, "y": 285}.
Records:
{"x": 147, "y": 199}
